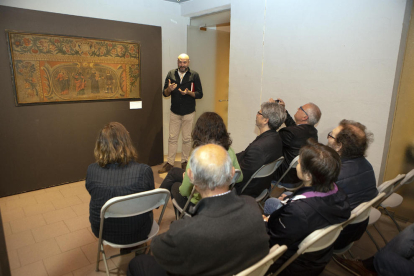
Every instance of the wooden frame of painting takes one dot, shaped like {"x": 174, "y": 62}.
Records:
{"x": 54, "y": 68}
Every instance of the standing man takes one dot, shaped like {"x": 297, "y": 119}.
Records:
{"x": 184, "y": 86}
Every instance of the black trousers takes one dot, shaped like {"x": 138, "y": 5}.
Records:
{"x": 145, "y": 265}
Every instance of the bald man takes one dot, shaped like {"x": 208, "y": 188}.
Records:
{"x": 295, "y": 135}
{"x": 225, "y": 235}
{"x": 184, "y": 86}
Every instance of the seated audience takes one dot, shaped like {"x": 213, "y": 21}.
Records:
{"x": 396, "y": 258}
{"x": 319, "y": 203}
{"x": 116, "y": 173}
{"x": 209, "y": 128}
{"x": 266, "y": 148}
{"x": 357, "y": 179}
{"x": 225, "y": 235}
{"x": 295, "y": 135}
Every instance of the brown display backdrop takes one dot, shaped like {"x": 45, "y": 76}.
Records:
{"x": 46, "y": 145}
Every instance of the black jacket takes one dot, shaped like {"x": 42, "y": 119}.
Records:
{"x": 112, "y": 181}
{"x": 294, "y": 137}
{"x": 225, "y": 235}
{"x": 266, "y": 148}
{"x": 294, "y": 221}
{"x": 184, "y": 104}
{"x": 357, "y": 180}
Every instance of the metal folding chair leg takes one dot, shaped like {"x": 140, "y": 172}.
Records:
{"x": 382, "y": 236}
{"x": 372, "y": 239}
{"x": 393, "y": 219}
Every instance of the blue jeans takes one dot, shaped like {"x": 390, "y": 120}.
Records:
{"x": 397, "y": 257}
{"x": 272, "y": 204}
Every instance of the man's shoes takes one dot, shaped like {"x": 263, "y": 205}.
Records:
{"x": 356, "y": 266}
{"x": 166, "y": 168}
{"x": 139, "y": 249}
{"x": 184, "y": 165}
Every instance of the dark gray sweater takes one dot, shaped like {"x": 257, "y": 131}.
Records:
{"x": 226, "y": 235}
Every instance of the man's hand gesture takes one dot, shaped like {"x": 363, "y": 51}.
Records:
{"x": 171, "y": 86}
{"x": 185, "y": 92}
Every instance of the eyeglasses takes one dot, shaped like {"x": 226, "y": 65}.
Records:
{"x": 258, "y": 112}
{"x": 301, "y": 108}
{"x": 330, "y": 136}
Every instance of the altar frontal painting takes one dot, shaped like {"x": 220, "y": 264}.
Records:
{"x": 51, "y": 68}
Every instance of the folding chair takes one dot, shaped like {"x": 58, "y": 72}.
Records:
{"x": 317, "y": 240}
{"x": 275, "y": 184}
{"x": 260, "y": 268}
{"x": 292, "y": 165}
{"x": 129, "y": 206}
{"x": 359, "y": 214}
{"x": 386, "y": 188}
{"x": 264, "y": 171}
{"x": 180, "y": 212}
{"x": 395, "y": 199}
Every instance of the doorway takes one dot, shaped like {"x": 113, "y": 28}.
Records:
{"x": 208, "y": 45}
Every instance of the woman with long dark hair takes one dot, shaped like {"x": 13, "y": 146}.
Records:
{"x": 116, "y": 173}
{"x": 209, "y": 128}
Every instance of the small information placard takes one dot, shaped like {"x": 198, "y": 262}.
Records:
{"x": 135, "y": 105}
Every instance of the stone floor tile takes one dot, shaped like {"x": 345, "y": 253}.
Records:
{"x": 65, "y": 262}
{"x": 66, "y": 202}
{"x": 14, "y": 214}
{"x": 27, "y": 223}
{"x": 38, "y": 251}
{"x": 50, "y": 231}
{"x": 48, "y": 196}
{"x": 81, "y": 209}
{"x": 37, "y": 209}
{"x": 74, "y": 239}
{"x": 78, "y": 223}
{"x": 22, "y": 239}
{"x": 34, "y": 269}
{"x": 19, "y": 203}
{"x": 14, "y": 261}
{"x": 59, "y": 215}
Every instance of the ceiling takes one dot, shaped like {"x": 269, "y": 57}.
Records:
{"x": 177, "y": 1}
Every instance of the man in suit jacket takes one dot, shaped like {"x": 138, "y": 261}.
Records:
{"x": 225, "y": 235}
{"x": 266, "y": 148}
{"x": 295, "y": 135}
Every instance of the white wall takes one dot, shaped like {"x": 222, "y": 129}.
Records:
{"x": 149, "y": 12}
{"x": 339, "y": 54}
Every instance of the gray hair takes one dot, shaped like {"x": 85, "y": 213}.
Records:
{"x": 314, "y": 114}
{"x": 275, "y": 113}
{"x": 212, "y": 175}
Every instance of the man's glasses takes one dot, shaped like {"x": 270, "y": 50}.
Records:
{"x": 301, "y": 108}
{"x": 330, "y": 136}
{"x": 258, "y": 112}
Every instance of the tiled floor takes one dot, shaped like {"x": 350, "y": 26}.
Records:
{"x": 48, "y": 233}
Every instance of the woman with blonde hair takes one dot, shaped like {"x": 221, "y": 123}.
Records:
{"x": 116, "y": 173}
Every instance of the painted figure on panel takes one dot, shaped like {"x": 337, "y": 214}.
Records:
{"x": 109, "y": 82}
{"x": 64, "y": 82}
{"x": 80, "y": 83}
{"x": 94, "y": 77}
